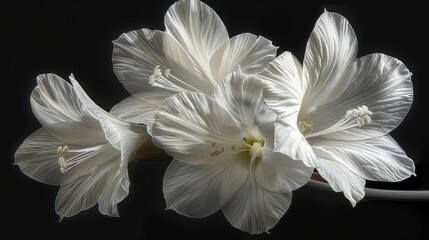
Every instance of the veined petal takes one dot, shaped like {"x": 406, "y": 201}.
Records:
{"x": 283, "y": 86}
{"x": 241, "y": 95}
{"x": 199, "y": 30}
{"x": 340, "y": 178}
{"x": 332, "y": 46}
{"x": 290, "y": 141}
{"x": 53, "y": 100}
{"x": 380, "y": 82}
{"x": 87, "y": 149}
{"x": 85, "y": 133}
{"x": 254, "y": 209}
{"x": 200, "y": 190}
{"x": 137, "y": 54}
{"x": 37, "y": 157}
{"x": 276, "y": 172}
{"x": 141, "y": 107}
{"x": 194, "y": 129}
{"x": 252, "y": 53}
{"x": 377, "y": 159}
{"x": 112, "y": 126}
{"x": 114, "y": 192}
{"x": 133, "y": 109}
{"x": 83, "y": 192}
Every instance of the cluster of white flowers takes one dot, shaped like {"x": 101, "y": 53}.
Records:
{"x": 244, "y": 126}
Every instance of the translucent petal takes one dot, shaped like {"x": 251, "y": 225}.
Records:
{"x": 377, "y": 159}
{"x": 199, "y": 30}
{"x": 278, "y": 173}
{"x": 83, "y": 192}
{"x": 290, "y": 141}
{"x": 53, "y": 100}
{"x": 200, "y": 190}
{"x": 194, "y": 129}
{"x": 283, "y": 86}
{"x": 380, "y": 82}
{"x": 241, "y": 95}
{"x": 254, "y": 209}
{"x": 340, "y": 177}
{"x": 37, "y": 157}
{"x": 332, "y": 46}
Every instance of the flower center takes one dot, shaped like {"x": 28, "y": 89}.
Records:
{"x": 356, "y": 117}
{"x": 254, "y": 146}
{"x": 157, "y": 74}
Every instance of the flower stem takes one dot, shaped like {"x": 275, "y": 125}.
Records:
{"x": 373, "y": 193}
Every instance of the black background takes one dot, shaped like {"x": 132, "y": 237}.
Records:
{"x": 76, "y": 37}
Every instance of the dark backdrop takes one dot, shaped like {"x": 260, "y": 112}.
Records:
{"x": 76, "y": 37}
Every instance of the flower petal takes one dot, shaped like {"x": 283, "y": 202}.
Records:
{"x": 278, "y": 173}
{"x": 377, "y": 159}
{"x": 252, "y": 53}
{"x": 200, "y": 190}
{"x": 194, "y": 129}
{"x": 83, "y": 192}
{"x": 53, "y": 100}
{"x": 340, "y": 178}
{"x": 114, "y": 192}
{"x": 112, "y": 126}
{"x": 292, "y": 143}
{"x": 199, "y": 30}
{"x": 141, "y": 107}
{"x": 332, "y": 46}
{"x": 241, "y": 95}
{"x": 380, "y": 82}
{"x": 254, "y": 209}
{"x": 283, "y": 86}
{"x": 37, "y": 157}
{"x": 136, "y": 54}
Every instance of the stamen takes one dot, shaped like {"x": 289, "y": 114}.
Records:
{"x": 66, "y": 164}
{"x": 167, "y": 73}
{"x": 305, "y": 126}
{"x": 157, "y": 74}
{"x": 356, "y": 117}
{"x": 255, "y": 152}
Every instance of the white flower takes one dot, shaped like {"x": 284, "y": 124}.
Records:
{"x": 80, "y": 147}
{"x": 335, "y": 111}
{"x": 223, "y": 158}
{"x": 194, "y": 53}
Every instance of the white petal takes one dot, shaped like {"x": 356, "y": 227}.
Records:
{"x": 83, "y": 192}
{"x": 252, "y": 53}
{"x": 255, "y": 210}
{"x": 137, "y": 53}
{"x": 133, "y": 109}
{"x": 37, "y": 157}
{"x": 114, "y": 192}
{"x": 87, "y": 148}
{"x": 85, "y": 133}
{"x": 340, "y": 177}
{"x": 241, "y": 95}
{"x": 199, "y": 30}
{"x": 332, "y": 46}
{"x": 54, "y": 100}
{"x": 381, "y": 83}
{"x": 141, "y": 107}
{"x": 112, "y": 126}
{"x": 193, "y": 128}
{"x": 283, "y": 86}
{"x": 377, "y": 159}
{"x": 291, "y": 142}
{"x": 278, "y": 173}
{"x": 200, "y": 190}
